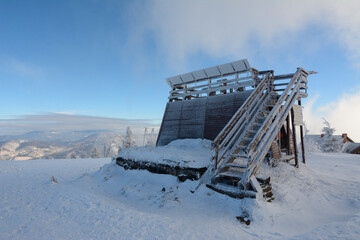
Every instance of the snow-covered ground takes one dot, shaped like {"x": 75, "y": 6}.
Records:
{"x": 95, "y": 199}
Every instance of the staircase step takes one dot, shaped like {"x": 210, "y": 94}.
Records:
{"x": 247, "y": 138}
{"x": 238, "y": 155}
{"x": 242, "y": 147}
{"x": 234, "y": 165}
{"x": 231, "y": 174}
{"x": 252, "y": 131}
{"x": 240, "y": 161}
{"x": 256, "y": 124}
{"x": 231, "y": 191}
{"x": 260, "y": 118}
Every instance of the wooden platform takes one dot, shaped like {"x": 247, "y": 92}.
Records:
{"x": 182, "y": 173}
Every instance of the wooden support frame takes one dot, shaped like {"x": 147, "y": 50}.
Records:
{"x": 302, "y": 139}
{"x": 294, "y": 138}
{"x": 288, "y": 134}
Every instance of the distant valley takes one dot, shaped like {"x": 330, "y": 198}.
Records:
{"x": 56, "y": 145}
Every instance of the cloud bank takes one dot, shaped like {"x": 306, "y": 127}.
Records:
{"x": 68, "y": 122}
{"x": 343, "y": 115}
{"x": 227, "y": 28}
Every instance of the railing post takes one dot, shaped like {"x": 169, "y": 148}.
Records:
{"x": 216, "y": 158}
{"x": 294, "y": 137}
{"x": 288, "y": 152}
{"x": 247, "y": 115}
{"x": 302, "y": 139}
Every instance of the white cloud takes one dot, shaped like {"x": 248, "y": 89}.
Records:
{"x": 343, "y": 115}
{"x": 232, "y": 27}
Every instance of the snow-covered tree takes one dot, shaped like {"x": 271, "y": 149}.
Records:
{"x": 73, "y": 155}
{"x": 95, "y": 153}
{"x": 329, "y": 142}
{"x": 107, "y": 151}
{"x": 151, "y": 141}
{"x": 128, "y": 141}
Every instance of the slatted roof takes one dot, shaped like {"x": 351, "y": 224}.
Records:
{"x": 211, "y": 72}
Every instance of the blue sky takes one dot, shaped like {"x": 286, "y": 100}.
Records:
{"x": 109, "y": 59}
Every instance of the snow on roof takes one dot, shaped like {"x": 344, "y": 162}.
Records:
{"x": 211, "y": 72}
{"x": 350, "y": 146}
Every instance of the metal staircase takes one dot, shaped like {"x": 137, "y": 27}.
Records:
{"x": 243, "y": 143}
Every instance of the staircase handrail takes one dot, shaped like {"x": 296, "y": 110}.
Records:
{"x": 227, "y": 133}
{"x": 267, "y": 134}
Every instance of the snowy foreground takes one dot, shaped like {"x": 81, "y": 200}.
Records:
{"x": 95, "y": 199}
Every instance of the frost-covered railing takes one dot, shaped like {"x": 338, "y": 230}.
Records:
{"x": 211, "y": 88}
{"x": 222, "y": 79}
{"x": 226, "y": 139}
{"x": 259, "y": 146}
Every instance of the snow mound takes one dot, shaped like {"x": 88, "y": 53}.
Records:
{"x": 194, "y": 153}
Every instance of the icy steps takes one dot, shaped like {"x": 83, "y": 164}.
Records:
{"x": 259, "y": 187}
{"x": 254, "y": 189}
{"x": 236, "y": 161}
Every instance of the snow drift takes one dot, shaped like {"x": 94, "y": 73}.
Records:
{"x": 96, "y": 199}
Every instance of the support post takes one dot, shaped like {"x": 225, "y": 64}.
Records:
{"x": 288, "y": 134}
{"x": 216, "y": 158}
{"x": 279, "y": 142}
{"x": 302, "y": 139}
{"x": 294, "y": 138}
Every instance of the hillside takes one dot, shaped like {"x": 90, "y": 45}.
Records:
{"x": 95, "y": 199}
{"x": 56, "y": 145}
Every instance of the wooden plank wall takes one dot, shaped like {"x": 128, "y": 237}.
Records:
{"x": 199, "y": 118}
{"x": 219, "y": 111}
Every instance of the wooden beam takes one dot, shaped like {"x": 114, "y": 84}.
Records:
{"x": 294, "y": 138}
{"x": 302, "y": 139}
{"x": 282, "y": 77}
{"x": 288, "y": 134}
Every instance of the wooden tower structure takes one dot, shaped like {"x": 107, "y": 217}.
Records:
{"x": 247, "y": 113}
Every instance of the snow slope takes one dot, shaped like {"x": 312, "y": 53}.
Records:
{"x": 95, "y": 199}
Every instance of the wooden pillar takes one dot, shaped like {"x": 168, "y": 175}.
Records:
{"x": 294, "y": 138}
{"x": 279, "y": 139}
{"x": 302, "y": 139}
{"x": 288, "y": 134}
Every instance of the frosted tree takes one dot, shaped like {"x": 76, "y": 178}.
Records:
{"x": 95, "y": 153}
{"x": 150, "y": 138}
{"x": 107, "y": 151}
{"x": 128, "y": 141}
{"x": 329, "y": 142}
